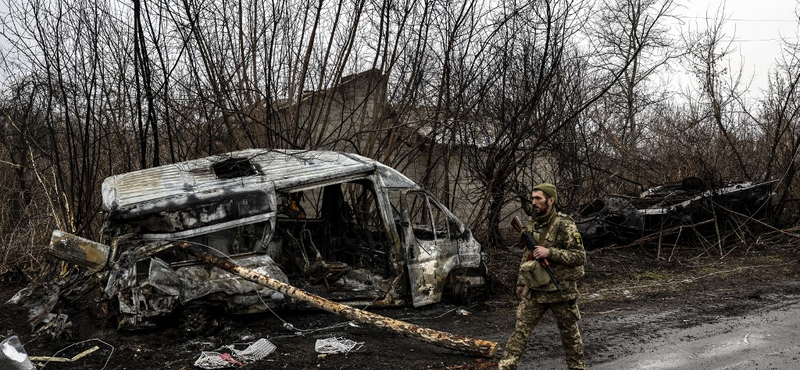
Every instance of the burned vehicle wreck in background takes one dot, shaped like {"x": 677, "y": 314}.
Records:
{"x": 338, "y": 225}
{"x": 669, "y": 208}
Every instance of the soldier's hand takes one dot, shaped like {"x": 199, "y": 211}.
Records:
{"x": 519, "y": 291}
{"x": 540, "y": 252}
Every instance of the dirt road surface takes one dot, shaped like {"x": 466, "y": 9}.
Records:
{"x": 765, "y": 339}
{"x": 639, "y": 312}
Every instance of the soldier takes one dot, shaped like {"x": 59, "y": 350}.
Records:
{"x": 560, "y": 243}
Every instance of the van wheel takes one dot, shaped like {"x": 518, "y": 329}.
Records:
{"x": 461, "y": 293}
{"x": 197, "y": 320}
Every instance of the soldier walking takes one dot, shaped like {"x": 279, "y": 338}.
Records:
{"x": 559, "y": 243}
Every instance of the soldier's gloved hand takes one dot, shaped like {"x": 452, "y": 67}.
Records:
{"x": 519, "y": 291}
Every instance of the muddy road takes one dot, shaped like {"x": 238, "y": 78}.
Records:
{"x": 639, "y": 312}
{"x": 765, "y": 339}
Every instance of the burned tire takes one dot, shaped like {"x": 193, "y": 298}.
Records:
{"x": 198, "y": 320}
{"x": 461, "y": 294}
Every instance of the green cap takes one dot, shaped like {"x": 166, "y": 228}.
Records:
{"x": 548, "y": 189}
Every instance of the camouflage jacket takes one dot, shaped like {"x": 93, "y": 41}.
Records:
{"x": 567, "y": 257}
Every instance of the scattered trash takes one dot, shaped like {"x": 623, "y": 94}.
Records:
{"x": 335, "y": 345}
{"x": 56, "y": 326}
{"x": 452, "y": 341}
{"x": 463, "y": 312}
{"x": 13, "y": 355}
{"x": 288, "y": 326}
{"x": 254, "y": 352}
{"x": 229, "y": 359}
{"x": 212, "y": 360}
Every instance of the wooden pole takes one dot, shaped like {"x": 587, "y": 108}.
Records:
{"x": 453, "y": 341}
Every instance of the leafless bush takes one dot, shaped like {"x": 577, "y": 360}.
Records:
{"x": 477, "y": 101}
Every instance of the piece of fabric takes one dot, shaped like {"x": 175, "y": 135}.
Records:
{"x": 536, "y": 276}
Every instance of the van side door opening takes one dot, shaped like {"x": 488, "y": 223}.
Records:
{"x": 333, "y": 241}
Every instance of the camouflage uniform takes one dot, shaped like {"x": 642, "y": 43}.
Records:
{"x": 567, "y": 257}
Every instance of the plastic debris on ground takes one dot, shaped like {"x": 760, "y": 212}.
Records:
{"x": 217, "y": 360}
{"x": 13, "y": 355}
{"x": 256, "y": 351}
{"x": 336, "y": 345}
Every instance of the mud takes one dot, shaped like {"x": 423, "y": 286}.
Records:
{"x": 764, "y": 339}
{"x": 631, "y": 299}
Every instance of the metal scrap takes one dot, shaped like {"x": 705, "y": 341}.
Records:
{"x": 13, "y": 355}
{"x": 622, "y": 220}
{"x": 336, "y": 345}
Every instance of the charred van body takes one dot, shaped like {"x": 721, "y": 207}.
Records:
{"x": 339, "y": 225}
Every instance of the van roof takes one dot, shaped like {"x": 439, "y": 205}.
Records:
{"x": 147, "y": 190}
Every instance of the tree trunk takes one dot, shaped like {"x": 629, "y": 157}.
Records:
{"x": 447, "y": 340}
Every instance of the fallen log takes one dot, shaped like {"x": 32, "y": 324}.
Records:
{"x": 442, "y": 339}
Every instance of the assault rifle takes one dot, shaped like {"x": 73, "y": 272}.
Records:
{"x": 530, "y": 244}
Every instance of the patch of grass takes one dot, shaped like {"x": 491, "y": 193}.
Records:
{"x": 705, "y": 270}
{"x": 770, "y": 259}
{"x": 652, "y": 275}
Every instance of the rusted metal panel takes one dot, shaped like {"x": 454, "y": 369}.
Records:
{"x": 77, "y": 250}
{"x": 437, "y": 244}
{"x": 147, "y": 287}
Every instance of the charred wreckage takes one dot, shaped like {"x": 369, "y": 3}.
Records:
{"x": 334, "y": 225}
{"x": 668, "y": 209}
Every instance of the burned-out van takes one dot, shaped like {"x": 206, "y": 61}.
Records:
{"x": 339, "y": 225}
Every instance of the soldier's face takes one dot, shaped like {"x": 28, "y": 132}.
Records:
{"x": 541, "y": 202}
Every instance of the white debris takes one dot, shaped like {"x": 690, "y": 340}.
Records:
{"x": 212, "y": 360}
{"x": 254, "y": 352}
{"x": 336, "y": 345}
{"x": 13, "y": 356}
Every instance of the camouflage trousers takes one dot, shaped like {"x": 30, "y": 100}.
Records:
{"x": 529, "y": 313}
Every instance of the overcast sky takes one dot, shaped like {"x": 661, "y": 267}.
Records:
{"x": 756, "y": 27}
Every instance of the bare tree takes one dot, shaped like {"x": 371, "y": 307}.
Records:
{"x": 780, "y": 122}
{"x": 634, "y": 32}
{"x": 718, "y": 92}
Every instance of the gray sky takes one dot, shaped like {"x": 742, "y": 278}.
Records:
{"x": 756, "y": 28}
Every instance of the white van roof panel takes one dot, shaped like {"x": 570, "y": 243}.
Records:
{"x": 233, "y": 173}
